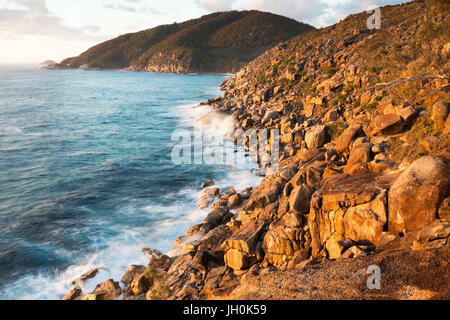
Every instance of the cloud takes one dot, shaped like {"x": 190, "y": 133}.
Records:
{"x": 318, "y": 13}
{"x": 131, "y": 9}
{"x": 32, "y": 17}
{"x": 301, "y": 10}
{"x": 215, "y": 5}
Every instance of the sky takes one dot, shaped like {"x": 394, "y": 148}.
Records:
{"x": 32, "y": 31}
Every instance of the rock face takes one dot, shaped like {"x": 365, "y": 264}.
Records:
{"x": 282, "y": 243}
{"x": 415, "y": 197}
{"x": 350, "y": 211}
{"x": 240, "y": 248}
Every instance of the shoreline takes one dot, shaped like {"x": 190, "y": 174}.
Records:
{"x": 189, "y": 239}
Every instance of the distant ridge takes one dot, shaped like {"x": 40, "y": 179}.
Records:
{"x": 219, "y": 42}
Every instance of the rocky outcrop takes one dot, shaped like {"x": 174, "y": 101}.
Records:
{"x": 350, "y": 211}
{"x": 241, "y": 249}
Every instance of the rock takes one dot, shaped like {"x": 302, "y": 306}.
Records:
{"x": 415, "y": 196}
{"x": 331, "y": 115}
{"x": 446, "y": 129}
{"x": 437, "y": 230}
{"x": 282, "y": 244}
{"x": 316, "y": 136}
{"x": 309, "y": 110}
{"x": 446, "y": 51}
{"x": 216, "y": 217}
{"x": 208, "y": 183}
{"x": 388, "y": 124}
{"x": 240, "y": 248}
{"x": 238, "y": 260}
{"x": 308, "y": 154}
{"x": 210, "y": 253}
{"x": 292, "y": 220}
{"x": 344, "y": 141}
{"x": 132, "y": 271}
{"x": 353, "y": 252}
{"x": 107, "y": 290}
{"x": 190, "y": 248}
{"x": 267, "y": 192}
{"x": 359, "y": 154}
{"x": 440, "y": 113}
{"x": 73, "y": 294}
{"x": 206, "y": 197}
{"x": 444, "y": 209}
{"x": 349, "y": 209}
{"x": 234, "y": 201}
{"x": 408, "y": 114}
{"x": 88, "y": 275}
{"x": 299, "y": 199}
{"x": 141, "y": 283}
{"x": 246, "y": 193}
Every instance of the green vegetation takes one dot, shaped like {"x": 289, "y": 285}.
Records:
{"x": 335, "y": 129}
{"x": 219, "y": 42}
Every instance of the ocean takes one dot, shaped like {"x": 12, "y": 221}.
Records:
{"x": 86, "y": 175}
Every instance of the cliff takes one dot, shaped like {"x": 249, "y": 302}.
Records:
{"x": 364, "y": 177}
{"x": 220, "y": 42}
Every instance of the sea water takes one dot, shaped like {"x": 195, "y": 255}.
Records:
{"x": 86, "y": 175}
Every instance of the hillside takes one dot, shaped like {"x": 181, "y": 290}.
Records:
{"x": 212, "y": 43}
{"x": 363, "y": 180}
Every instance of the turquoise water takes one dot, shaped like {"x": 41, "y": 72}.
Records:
{"x": 86, "y": 175}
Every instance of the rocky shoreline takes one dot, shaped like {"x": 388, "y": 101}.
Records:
{"x": 363, "y": 181}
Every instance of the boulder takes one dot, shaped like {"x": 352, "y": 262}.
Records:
{"x": 416, "y": 195}
{"x": 73, "y": 294}
{"x": 299, "y": 199}
{"x": 87, "y": 275}
{"x": 408, "y": 114}
{"x": 388, "y": 124}
{"x": 132, "y": 271}
{"x": 208, "y": 183}
{"x": 361, "y": 153}
{"x": 234, "y": 200}
{"x": 216, "y": 217}
{"x": 346, "y": 211}
{"x": 344, "y": 141}
{"x": 437, "y": 230}
{"x": 107, "y": 290}
{"x": 141, "y": 283}
{"x": 267, "y": 192}
{"x": 282, "y": 244}
{"x": 316, "y": 136}
{"x": 440, "y": 113}
{"x": 331, "y": 115}
{"x": 292, "y": 220}
{"x": 210, "y": 253}
{"x": 240, "y": 248}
